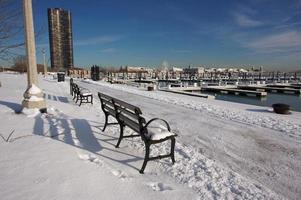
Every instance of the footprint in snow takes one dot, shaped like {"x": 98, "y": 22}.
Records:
{"x": 40, "y": 180}
{"x": 90, "y": 158}
{"x": 158, "y": 186}
{"x": 76, "y": 142}
{"x": 120, "y": 174}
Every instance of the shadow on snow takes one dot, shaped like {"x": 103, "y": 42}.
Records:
{"x": 79, "y": 133}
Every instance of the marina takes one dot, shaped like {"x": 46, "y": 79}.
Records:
{"x": 260, "y": 95}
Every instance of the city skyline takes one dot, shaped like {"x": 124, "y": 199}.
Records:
{"x": 146, "y": 33}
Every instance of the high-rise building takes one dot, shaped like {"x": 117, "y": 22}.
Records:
{"x": 60, "y": 38}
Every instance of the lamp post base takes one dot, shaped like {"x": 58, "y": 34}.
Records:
{"x": 33, "y": 98}
{"x": 40, "y": 104}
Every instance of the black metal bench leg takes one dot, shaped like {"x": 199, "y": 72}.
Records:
{"x": 146, "y": 158}
{"x": 91, "y": 99}
{"x": 81, "y": 100}
{"x": 121, "y": 135}
{"x": 106, "y": 122}
{"x": 172, "y": 150}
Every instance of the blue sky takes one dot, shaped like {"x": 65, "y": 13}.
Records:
{"x": 207, "y": 32}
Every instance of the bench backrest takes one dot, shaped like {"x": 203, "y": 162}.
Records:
{"x": 129, "y": 115}
{"x": 125, "y": 113}
{"x": 75, "y": 88}
{"x": 107, "y": 104}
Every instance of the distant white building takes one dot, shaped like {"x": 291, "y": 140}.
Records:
{"x": 243, "y": 70}
{"x": 176, "y": 69}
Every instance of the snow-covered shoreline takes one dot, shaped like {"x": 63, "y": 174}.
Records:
{"x": 275, "y": 122}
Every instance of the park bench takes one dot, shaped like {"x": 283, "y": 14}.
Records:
{"x": 128, "y": 115}
{"x": 80, "y": 93}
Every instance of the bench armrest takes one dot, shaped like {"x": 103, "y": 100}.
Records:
{"x": 154, "y": 119}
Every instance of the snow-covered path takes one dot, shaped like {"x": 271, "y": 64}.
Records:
{"x": 217, "y": 158}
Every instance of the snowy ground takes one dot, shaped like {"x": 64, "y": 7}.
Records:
{"x": 224, "y": 150}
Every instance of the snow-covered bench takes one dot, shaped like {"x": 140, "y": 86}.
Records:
{"x": 131, "y": 116}
{"x": 82, "y": 94}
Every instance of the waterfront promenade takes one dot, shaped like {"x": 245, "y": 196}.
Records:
{"x": 240, "y": 151}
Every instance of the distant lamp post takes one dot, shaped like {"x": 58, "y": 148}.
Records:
{"x": 33, "y": 96}
{"x": 44, "y": 61}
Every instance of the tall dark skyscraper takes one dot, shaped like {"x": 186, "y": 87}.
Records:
{"x": 60, "y": 38}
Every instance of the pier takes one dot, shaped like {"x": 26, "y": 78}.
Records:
{"x": 286, "y": 86}
{"x": 187, "y": 92}
{"x": 271, "y": 89}
{"x": 235, "y": 91}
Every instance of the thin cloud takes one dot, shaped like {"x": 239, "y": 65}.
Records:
{"x": 90, "y": 41}
{"x": 246, "y": 21}
{"x": 97, "y": 40}
{"x": 286, "y": 42}
{"x": 108, "y": 50}
{"x": 288, "y": 25}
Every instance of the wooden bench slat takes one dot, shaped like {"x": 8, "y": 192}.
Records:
{"x": 127, "y": 112}
{"x": 127, "y": 105}
{"x": 129, "y": 122}
{"x": 104, "y": 96}
{"x": 106, "y": 102}
{"x": 106, "y": 99}
{"x": 110, "y": 110}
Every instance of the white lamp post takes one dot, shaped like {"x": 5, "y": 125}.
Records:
{"x": 33, "y": 96}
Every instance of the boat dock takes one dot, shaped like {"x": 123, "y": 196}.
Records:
{"x": 296, "y": 84}
{"x": 185, "y": 92}
{"x": 271, "y": 89}
{"x": 235, "y": 91}
{"x": 285, "y": 86}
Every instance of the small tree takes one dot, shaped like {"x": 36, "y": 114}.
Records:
{"x": 20, "y": 64}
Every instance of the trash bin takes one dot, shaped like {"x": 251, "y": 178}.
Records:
{"x": 281, "y": 108}
{"x": 60, "y": 77}
{"x": 150, "y": 88}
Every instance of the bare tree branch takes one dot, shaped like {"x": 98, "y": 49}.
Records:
{"x": 11, "y": 25}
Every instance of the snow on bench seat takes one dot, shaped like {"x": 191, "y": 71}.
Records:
{"x": 85, "y": 92}
{"x": 158, "y": 132}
